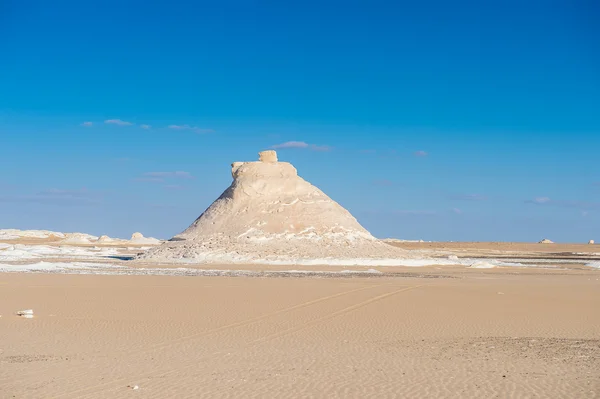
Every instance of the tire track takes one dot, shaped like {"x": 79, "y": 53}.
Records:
{"x": 171, "y": 343}
{"x": 119, "y": 382}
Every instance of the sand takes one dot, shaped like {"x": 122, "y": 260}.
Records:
{"x": 453, "y": 332}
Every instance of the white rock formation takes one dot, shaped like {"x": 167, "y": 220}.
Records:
{"x": 105, "y": 240}
{"x": 15, "y": 234}
{"x": 591, "y": 242}
{"x": 546, "y": 241}
{"x": 78, "y": 238}
{"x": 271, "y": 215}
{"x": 138, "y": 238}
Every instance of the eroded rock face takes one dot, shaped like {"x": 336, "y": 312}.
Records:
{"x": 591, "y": 242}
{"x": 270, "y": 198}
{"x": 546, "y": 241}
{"x": 270, "y": 211}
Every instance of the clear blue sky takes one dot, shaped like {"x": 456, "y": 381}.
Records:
{"x": 435, "y": 120}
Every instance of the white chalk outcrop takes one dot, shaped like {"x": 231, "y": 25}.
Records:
{"x": 591, "y": 242}
{"x": 138, "y": 238}
{"x": 271, "y": 215}
{"x": 78, "y": 238}
{"x": 105, "y": 240}
{"x": 546, "y": 241}
{"x": 15, "y": 234}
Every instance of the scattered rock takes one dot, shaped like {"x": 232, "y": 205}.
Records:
{"x": 28, "y": 313}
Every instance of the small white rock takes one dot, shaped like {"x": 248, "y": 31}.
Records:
{"x": 28, "y": 313}
{"x": 135, "y": 387}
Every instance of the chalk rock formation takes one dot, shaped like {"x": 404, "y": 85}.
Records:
{"x": 105, "y": 239}
{"x": 591, "y": 242}
{"x": 546, "y": 241}
{"x": 15, "y": 234}
{"x": 138, "y": 238}
{"x": 78, "y": 238}
{"x": 271, "y": 215}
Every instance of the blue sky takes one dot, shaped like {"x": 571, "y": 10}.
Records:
{"x": 437, "y": 121}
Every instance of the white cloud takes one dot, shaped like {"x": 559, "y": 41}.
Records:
{"x": 87, "y": 123}
{"x": 420, "y": 154}
{"x": 194, "y": 129}
{"x": 145, "y": 126}
{"x": 118, "y": 122}
{"x": 291, "y": 144}
{"x": 541, "y": 200}
{"x": 301, "y": 144}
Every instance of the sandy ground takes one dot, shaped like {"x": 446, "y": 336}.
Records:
{"x": 503, "y": 248}
{"x": 476, "y": 333}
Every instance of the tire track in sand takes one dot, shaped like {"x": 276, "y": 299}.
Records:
{"x": 170, "y": 343}
{"x": 122, "y": 381}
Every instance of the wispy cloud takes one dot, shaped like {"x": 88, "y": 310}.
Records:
{"x": 145, "y": 126}
{"x": 420, "y": 154}
{"x": 541, "y": 200}
{"x": 470, "y": 197}
{"x": 56, "y": 196}
{"x": 87, "y": 123}
{"x": 118, "y": 122}
{"x": 301, "y": 145}
{"x": 194, "y": 129}
{"x": 457, "y": 211}
{"x": 582, "y": 205}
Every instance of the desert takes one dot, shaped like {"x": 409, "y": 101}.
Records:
{"x": 278, "y": 291}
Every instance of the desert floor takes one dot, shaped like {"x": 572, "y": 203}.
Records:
{"x": 426, "y": 332}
